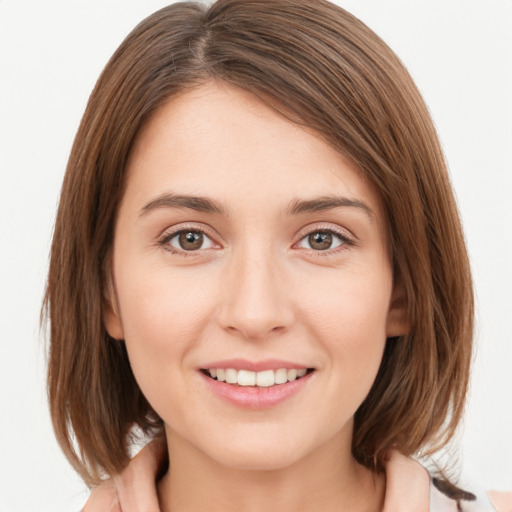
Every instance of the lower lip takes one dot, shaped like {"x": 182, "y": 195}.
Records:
{"x": 255, "y": 397}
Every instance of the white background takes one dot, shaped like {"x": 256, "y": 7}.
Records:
{"x": 459, "y": 52}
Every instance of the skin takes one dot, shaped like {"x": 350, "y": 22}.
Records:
{"x": 259, "y": 287}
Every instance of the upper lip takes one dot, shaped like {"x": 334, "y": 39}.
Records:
{"x": 255, "y": 366}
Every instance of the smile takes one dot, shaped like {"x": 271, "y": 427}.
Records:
{"x": 257, "y": 389}
{"x": 262, "y": 379}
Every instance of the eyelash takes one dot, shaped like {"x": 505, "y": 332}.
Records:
{"x": 168, "y": 236}
{"x": 346, "y": 241}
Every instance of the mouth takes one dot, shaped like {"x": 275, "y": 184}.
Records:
{"x": 262, "y": 379}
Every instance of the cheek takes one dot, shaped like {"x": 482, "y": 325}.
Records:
{"x": 350, "y": 319}
{"x": 163, "y": 316}
{"x": 354, "y": 304}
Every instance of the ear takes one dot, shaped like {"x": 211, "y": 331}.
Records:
{"x": 111, "y": 317}
{"x": 398, "y": 323}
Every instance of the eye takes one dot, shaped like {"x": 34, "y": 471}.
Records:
{"x": 188, "y": 240}
{"x": 323, "y": 240}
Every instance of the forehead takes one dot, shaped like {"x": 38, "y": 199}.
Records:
{"x": 225, "y": 143}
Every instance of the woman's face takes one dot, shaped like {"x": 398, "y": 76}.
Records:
{"x": 247, "y": 246}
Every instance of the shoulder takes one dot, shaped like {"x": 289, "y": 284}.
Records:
{"x": 439, "y": 502}
{"x": 102, "y": 499}
{"x": 502, "y": 501}
{"x": 410, "y": 488}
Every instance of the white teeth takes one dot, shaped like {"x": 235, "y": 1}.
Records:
{"x": 292, "y": 374}
{"x": 262, "y": 379}
{"x": 231, "y": 376}
{"x": 281, "y": 376}
{"x": 265, "y": 379}
{"x": 246, "y": 378}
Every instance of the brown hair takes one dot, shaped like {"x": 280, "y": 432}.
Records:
{"x": 320, "y": 67}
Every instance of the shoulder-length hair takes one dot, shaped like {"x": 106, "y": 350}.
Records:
{"x": 322, "y": 68}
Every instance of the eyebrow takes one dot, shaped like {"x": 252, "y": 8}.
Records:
{"x": 198, "y": 203}
{"x": 323, "y": 203}
{"x": 295, "y": 207}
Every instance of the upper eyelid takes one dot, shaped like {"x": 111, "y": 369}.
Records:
{"x": 338, "y": 230}
{"x": 164, "y": 239}
{"x": 179, "y": 228}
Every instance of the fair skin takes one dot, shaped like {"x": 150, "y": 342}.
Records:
{"x": 261, "y": 273}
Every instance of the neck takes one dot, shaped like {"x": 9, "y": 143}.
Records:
{"x": 328, "y": 480}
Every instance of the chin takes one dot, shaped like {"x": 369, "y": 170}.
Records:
{"x": 264, "y": 452}
{"x": 257, "y": 460}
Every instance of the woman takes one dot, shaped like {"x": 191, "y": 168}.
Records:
{"x": 263, "y": 227}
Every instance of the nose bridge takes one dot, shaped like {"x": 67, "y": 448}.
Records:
{"x": 255, "y": 301}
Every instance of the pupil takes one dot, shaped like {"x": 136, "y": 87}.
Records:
{"x": 191, "y": 240}
{"x": 320, "y": 241}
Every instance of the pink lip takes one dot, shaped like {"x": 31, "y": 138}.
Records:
{"x": 253, "y": 397}
{"x": 254, "y": 366}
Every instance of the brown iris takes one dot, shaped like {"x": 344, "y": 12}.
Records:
{"x": 320, "y": 241}
{"x": 190, "y": 240}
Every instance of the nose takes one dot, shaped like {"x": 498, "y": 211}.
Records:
{"x": 255, "y": 301}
